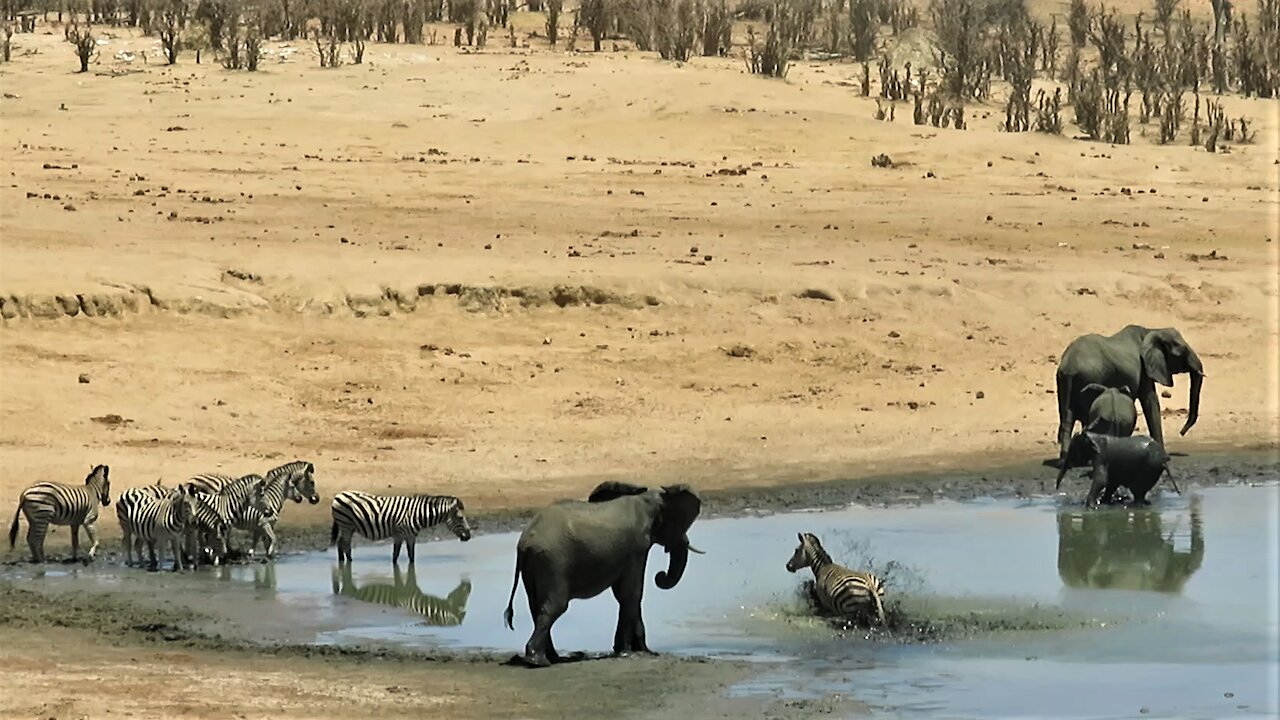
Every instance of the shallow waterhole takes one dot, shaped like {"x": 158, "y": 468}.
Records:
{"x": 1032, "y": 608}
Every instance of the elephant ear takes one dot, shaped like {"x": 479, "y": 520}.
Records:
{"x": 680, "y": 506}
{"x": 611, "y": 490}
{"x": 1155, "y": 360}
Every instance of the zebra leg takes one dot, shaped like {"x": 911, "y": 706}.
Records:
{"x": 36, "y": 528}
{"x": 128, "y": 546}
{"x": 91, "y": 531}
{"x": 344, "y": 545}
{"x": 267, "y": 532}
{"x": 412, "y": 543}
{"x": 75, "y": 542}
{"x": 395, "y": 552}
{"x": 151, "y": 550}
{"x": 175, "y": 543}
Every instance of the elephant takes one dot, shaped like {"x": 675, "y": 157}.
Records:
{"x": 573, "y": 549}
{"x": 1111, "y": 412}
{"x": 1134, "y": 462}
{"x": 1126, "y": 550}
{"x": 1137, "y": 358}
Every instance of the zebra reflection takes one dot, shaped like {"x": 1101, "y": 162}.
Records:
{"x": 264, "y": 574}
{"x": 404, "y": 593}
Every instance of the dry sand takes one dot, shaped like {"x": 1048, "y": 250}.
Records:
{"x": 476, "y": 274}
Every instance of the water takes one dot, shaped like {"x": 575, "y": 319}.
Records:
{"x": 1169, "y": 611}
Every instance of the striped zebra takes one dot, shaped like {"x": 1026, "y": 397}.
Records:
{"x": 214, "y": 514}
{"x": 51, "y": 503}
{"x": 162, "y": 521}
{"x": 128, "y": 499}
{"x": 402, "y": 517}
{"x": 294, "y": 480}
{"x": 840, "y": 590}
{"x": 404, "y": 592}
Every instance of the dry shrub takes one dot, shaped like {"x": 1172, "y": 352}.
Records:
{"x": 863, "y": 26}
{"x": 960, "y": 26}
{"x": 594, "y": 15}
{"x": 1078, "y": 23}
{"x": 170, "y": 17}
{"x": 771, "y": 56}
{"x": 6, "y": 48}
{"x": 1164, "y": 13}
{"x": 82, "y": 39}
{"x": 1215, "y": 124}
{"x": 1049, "y": 112}
{"x": 717, "y": 28}
{"x": 554, "y": 8}
{"x": 1172, "y": 110}
{"x": 676, "y": 32}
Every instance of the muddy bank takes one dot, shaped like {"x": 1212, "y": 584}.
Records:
{"x": 486, "y": 682}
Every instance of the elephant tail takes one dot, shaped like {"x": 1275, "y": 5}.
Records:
{"x": 508, "y": 615}
{"x": 1167, "y": 471}
{"x": 13, "y": 529}
{"x": 1066, "y": 419}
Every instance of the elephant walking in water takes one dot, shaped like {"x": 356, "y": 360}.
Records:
{"x": 1137, "y": 358}
{"x": 1135, "y": 462}
{"x": 574, "y": 549}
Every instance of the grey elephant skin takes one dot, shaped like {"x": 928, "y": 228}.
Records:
{"x": 1111, "y": 412}
{"x": 1137, "y": 358}
{"x": 1134, "y": 462}
{"x": 1127, "y": 550}
{"x": 574, "y": 549}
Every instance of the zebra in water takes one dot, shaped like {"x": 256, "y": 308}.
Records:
{"x": 405, "y": 593}
{"x": 294, "y": 480}
{"x": 840, "y": 590}
{"x": 402, "y": 517}
{"x": 51, "y": 503}
{"x": 160, "y": 521}
{"x": 128, "y": 499}
{"x": 214, "y": 514}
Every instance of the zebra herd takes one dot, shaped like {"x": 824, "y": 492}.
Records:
{"x": 196, "y": 518}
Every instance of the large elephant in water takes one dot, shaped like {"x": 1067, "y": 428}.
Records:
{"x": 1137, "y": 358}
{"x": 574, "y": 549}
{"x": 1126, "y": 550}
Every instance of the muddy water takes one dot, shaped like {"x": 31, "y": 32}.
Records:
{"x": 1040, "y": 607}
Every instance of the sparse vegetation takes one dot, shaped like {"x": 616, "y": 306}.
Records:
{"x": 82, "y": 39}
{"x": 594, "y": 15}
{"x": 771, "y": 56}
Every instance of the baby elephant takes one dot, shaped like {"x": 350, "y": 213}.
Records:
{"x": 1111, "y": 411}
{"x": 1134, "y": 462}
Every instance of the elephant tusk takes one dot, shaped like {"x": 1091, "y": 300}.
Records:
{"x": 693, "y": 549}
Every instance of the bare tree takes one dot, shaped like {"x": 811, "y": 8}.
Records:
{"x": 170, "y": 17}
{"x": 81, "y": 37}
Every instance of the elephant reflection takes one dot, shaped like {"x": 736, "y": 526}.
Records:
{"x": 1126, "y": 550}
{"x": 404, "y": 593}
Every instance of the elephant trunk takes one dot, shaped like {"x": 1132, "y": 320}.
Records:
{"x": 1062, "y": 472}
{"x": 1197, "y": 380}
{"x": 675, "y": 567}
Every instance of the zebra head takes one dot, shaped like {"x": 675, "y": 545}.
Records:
{"x": 303, "y": 483}
{"x": 806, "y": 553}
{"x": 181, "y": 503}
{"x": 456, "y": 520}
{"x": 99, "y": 481}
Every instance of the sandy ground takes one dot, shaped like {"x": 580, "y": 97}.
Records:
{"x": 510, "y": 274}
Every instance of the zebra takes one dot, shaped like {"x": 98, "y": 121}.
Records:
{"x": 128, "y": 499}
{"x": 293, "y": 480}
{"x": 405, "y": 593}
{"x": 163, "y": 520}
{"x": 840, "y": 590}
{"x": 402, "y": 517}
{"x": 46, "y": 503}
{"x": 215, "y": 513}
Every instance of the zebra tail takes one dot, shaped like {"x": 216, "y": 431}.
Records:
{"x": 333, "y": 533}
{"x": 879, "y": 607}
{"x": 13, "y": 529}
{"x": 508, "y": 615}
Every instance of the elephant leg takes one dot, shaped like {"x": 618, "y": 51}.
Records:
{"x": 629, "y": 637}
{"x": 545, "y": 611}
{"x": 1150, "y": 401}
{"x": 1095, "y": 490}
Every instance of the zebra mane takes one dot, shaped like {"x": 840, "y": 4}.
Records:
{"x": 815, "y": 549}
{"x": 290, "y": 469}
